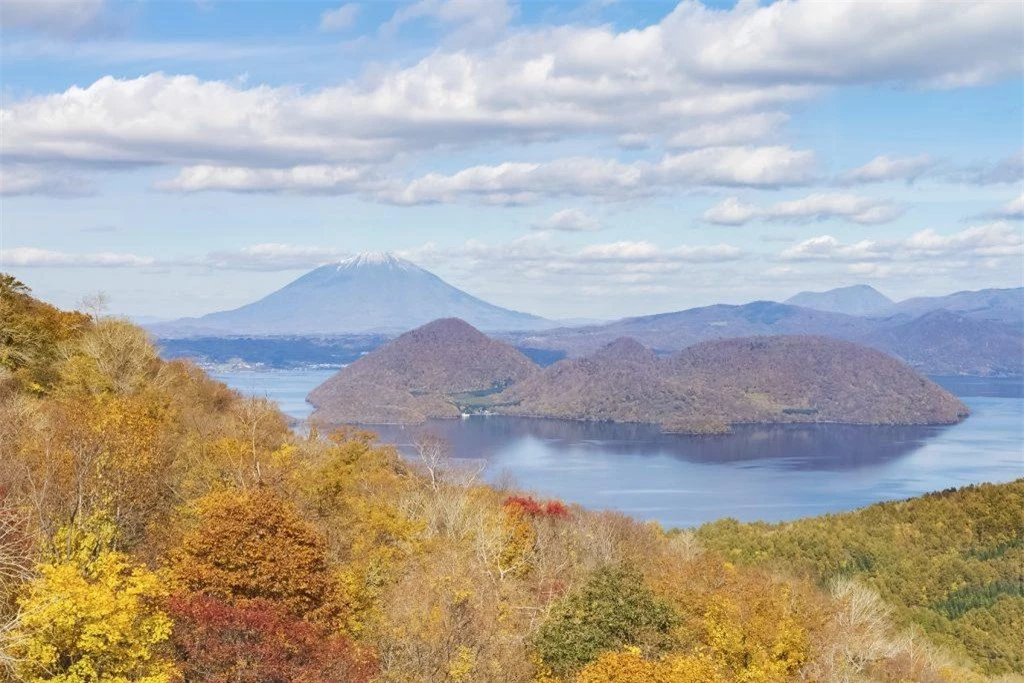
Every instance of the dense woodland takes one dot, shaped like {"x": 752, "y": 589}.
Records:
{"x": 156, "y": 527}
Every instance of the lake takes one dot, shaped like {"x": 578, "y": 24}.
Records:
{"x": 769, "y": 473}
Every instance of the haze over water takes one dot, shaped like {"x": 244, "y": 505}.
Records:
{"x": 769, "y": 473}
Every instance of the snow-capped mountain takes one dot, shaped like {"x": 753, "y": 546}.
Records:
{"x": 371, "y": 292}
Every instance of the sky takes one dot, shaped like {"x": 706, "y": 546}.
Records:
{"x": 571, "y": 159}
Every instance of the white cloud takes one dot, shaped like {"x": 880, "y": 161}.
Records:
{"x": 300, "y": 179}
{"x": 339, "y": 18}
{"x": 815, "y": 207}
{"x": 20, "y": 179}
{"x": 738, "y": 130}
{"x": 937, "y": 44}
{"x": 828, "y": 248}
{"x": 981, "y": 242}
{"x": 568, "y": 220}
{"x": 992, "y": 239}
{"x": 1012, "y": 210}
{"x": 31, "y": 257}
{"x": 445, "y": 99}
{"x": 701, "y": 76}
{"x": 272, "y": 257}
{"x": 886, "y": 168}
{"x": 535, "y": 258}
{"x": 646, "y": 252}
{"x": 731, "y": 211}
{"x": 522, "y": 183}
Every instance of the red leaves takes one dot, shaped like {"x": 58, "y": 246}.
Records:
{"x": 526, "y": 505}
{"x": 257, "y": 641}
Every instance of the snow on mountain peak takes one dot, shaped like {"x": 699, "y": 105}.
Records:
{"x": 375, "y": 258}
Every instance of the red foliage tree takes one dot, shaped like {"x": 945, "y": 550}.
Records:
{"x": 257, "y": 641}
{"x": 526, "y": 505}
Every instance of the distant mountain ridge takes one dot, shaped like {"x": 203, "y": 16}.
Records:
{"x": 853, "y": 300}
{"x": 676, "y": 330}
{"x": 368, "y": 293}
{"x": 980, "y": 333}
{"x": 371, "y": 297}
{"x": 998, "y": 305}
{"x": 447, "y": 367}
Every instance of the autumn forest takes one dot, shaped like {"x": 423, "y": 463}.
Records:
{"x": 157, "y": 527}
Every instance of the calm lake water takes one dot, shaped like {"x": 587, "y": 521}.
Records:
{"x": 769, "y": 473}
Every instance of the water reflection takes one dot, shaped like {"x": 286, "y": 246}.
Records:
{"x": 797, "y": 447}
{"x": 769, "y": 473}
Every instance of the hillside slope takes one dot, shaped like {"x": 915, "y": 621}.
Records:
{"x": 958, "y": 574}
{"x": 415, "y": 376}
{"x": 946, "y": 343}
{"x": 716, "y": 383}
{"x": 210, "y": 542}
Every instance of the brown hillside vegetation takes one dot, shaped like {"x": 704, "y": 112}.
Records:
{"x": 415, "y": 376}
{"x": 756, "y": 379}
{"x": 156, "y": 526}
{"x": 446, "y": 367}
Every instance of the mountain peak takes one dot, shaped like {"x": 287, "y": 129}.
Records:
{"x": 448, "y": 329}
{"x": 369, "y": 259}
{"x": 371, "y": 292}
{"x": 857, "y": 299}
{"x": 624, "y": 348}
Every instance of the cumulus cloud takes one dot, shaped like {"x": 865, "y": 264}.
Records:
{"x": 20, "y": 179}
{"x": 986, "y": 241}
{"x": 339, "y": 18}
{"x": 699, "y": 77}
{"x": 31, "y": 257}
{"x": 522, "y": 183}
{"x": 815, "y": 207}
{"x": 568, "y": 220}
{"x": 317, "y": 179}
{"x": 947, "y": 44}
{"x": 638, "y": 266}
{"x": 885, "y": 168}
{"x": 738, "y": 130}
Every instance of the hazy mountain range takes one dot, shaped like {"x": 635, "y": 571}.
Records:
{"x": 981, "y": 332}
{"x": 447, "y": 367}
{"x": 978, "y": 333}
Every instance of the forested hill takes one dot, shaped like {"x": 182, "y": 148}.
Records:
{"x": 752, "y": 380}
{"x": 417, "y": 375}
{"x": 447, "y": 367}
{"x": 950, "y": 562}
{"x": 156, "y": 526}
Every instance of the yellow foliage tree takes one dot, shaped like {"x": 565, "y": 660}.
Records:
{"x": 629, "y": 666}
{"x": 93, "y": 617}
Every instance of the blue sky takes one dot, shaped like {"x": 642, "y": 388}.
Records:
{"x": 571, "y": 159}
